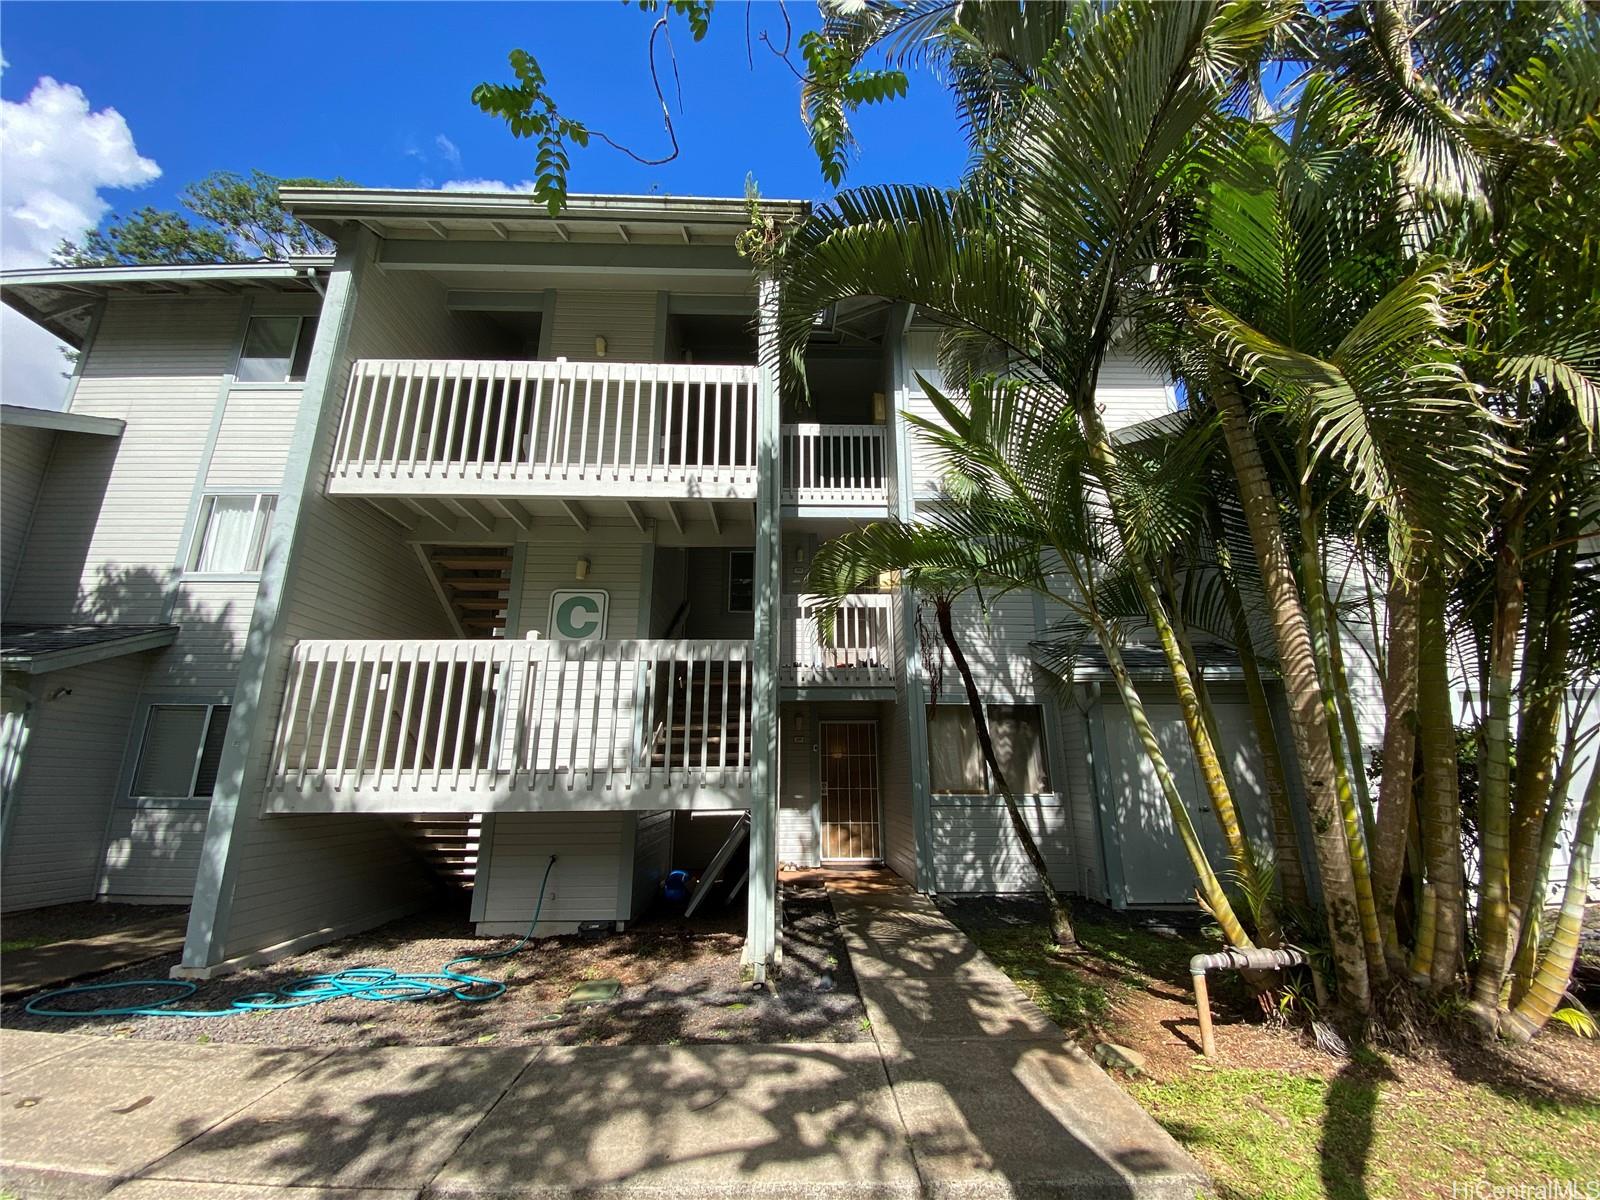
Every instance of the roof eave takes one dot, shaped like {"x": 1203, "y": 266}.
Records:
{"x": 82, "y": 656}
{"x": 380, "y": 202}
{"x": 60, "y": 422}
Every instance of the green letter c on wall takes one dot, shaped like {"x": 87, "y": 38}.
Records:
{"x": 578, "y": 616}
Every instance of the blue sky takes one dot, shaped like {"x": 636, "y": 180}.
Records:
{"x": 105, "y": 107}
{"x": 379, "y": 93}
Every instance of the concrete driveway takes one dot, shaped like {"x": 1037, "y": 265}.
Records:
{"x": 966, "y": 1091}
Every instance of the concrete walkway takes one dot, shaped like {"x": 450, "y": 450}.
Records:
{"x": 61, "y": 962}
{"x": 966, "y": 1091}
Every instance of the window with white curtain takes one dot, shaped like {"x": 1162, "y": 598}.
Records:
{"x": 230, "y": 538}
{"x": 955, "y": 759}
{"x": 181, "y": 751}
{"x": 276, "y": 350}
{"x": 1018, "y": 734}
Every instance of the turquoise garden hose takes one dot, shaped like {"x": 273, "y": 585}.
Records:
{"x": 358, "y": 983}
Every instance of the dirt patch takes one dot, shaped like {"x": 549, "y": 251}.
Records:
{"x": 681, "y": 983}
{"x": 1140, "y": 964}
{"x": 1273, "y": 1114}
{"x": 74, "y": 922}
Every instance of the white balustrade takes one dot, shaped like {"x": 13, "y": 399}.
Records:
{"x": 860, "y": 652}
{"x": 488, "y": 725}
{"x": 834, "y": 464}
{"x": 547, "y": 427}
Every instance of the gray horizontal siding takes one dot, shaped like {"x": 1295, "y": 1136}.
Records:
{"x": 253, "y": 439}
{"x": 976, "y": 850}
{"x": 106, "y": 552}
{"x": 295, "y": 877}
{"x": 24, "y": 454}
{"x": 584, "y": 885}
{"x": 152, "y": 853}
{"x": 70, "y": 772}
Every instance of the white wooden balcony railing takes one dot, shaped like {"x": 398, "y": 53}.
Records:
{"x": 860, "y": 653}
{"x": 557, "y": 428}
{"x": 834, "y": 464}
{"x": 505, "y": 726}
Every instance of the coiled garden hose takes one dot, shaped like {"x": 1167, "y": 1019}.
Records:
{"x": 378, "y": 984}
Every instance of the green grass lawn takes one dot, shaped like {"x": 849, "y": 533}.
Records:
{"x": 33, "y": 943}
{"x": 1374, "y": 1125}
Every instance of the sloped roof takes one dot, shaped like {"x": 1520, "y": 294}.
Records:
{"x": 35, "y": 649}
{"x": 61, "y": 299}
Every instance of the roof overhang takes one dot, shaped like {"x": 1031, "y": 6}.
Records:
{"x": 13, "y": 415}
{"x": 62, "y": 299}
{"x": 408, "y": 214}
{"x": 39, "y": 649}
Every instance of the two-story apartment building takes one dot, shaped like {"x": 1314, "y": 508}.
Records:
{"x": 485, "y": 540}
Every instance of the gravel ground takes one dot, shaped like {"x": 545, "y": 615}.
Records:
{"x": 681, "y": 984}
{"x": 69, "y": 922}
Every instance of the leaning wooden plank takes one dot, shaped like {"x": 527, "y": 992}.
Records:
{"x": 714, "y": 872}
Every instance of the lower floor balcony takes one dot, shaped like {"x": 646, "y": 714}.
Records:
{"x": 489, "y": 725}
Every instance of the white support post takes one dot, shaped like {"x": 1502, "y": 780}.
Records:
{"x": 761, "y": 934}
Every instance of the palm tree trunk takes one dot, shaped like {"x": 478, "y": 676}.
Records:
{"x": 1242, "y": 852}
{"x": 1530, "y": 929}
{"x": 1494, "y": 787}
{"x": 1441, "y": 797}
{"x": 1285, "y": 840}
{"x": 1318, "y": 607}
{"x": 1554, "y": 974}
{"x": 1352, "y": 728}
{"x": 1397, "y": 787}
{"x": 1212, "y": 894}
{"x": 1207, "y": 759}
{"x": 1060, "y": 920}
{"x": 1548, "y": 611}
{"x": 1306, "y": 723}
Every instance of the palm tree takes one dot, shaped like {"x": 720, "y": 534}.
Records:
{"x": 1016, "y": 516}
{"x": 1037, "y": 257}
{"x": 1489, "y": 110}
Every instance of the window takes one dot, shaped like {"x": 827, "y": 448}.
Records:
{"x": 276, "y": 350}
{"x": 741, "y": 581}
{"x": 181, "y": 751}
{"x": 955, "y": 759}
{"x": 230, "y": 537}
{"x": 1018, "y": 733}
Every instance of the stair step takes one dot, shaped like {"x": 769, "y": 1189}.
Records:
{"x": 473, "y": 562}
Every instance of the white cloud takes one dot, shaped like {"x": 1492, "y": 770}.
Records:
{"x": 487, "y": 185}
{"x": 56, "y": 156}
{"x": 452, "y": 154}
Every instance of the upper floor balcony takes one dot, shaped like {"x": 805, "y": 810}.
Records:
{"x": 835, "y": 466}
{"x": 479, "y": 428}
{"x": 524, "y": 429}
{"x": 858, "y": 653}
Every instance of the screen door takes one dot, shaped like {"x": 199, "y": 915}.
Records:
{"x": 850, "y": 828}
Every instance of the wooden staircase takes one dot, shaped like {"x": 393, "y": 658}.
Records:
{"x": 690, "y": 729}
{"x": 476, "y": 583}
{"x": 449, "y": 844}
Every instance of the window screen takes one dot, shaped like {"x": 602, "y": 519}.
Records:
{"x": 275, "y": 350}
{"x": 181, "y": 751}
{"x": 231, "y": 534}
